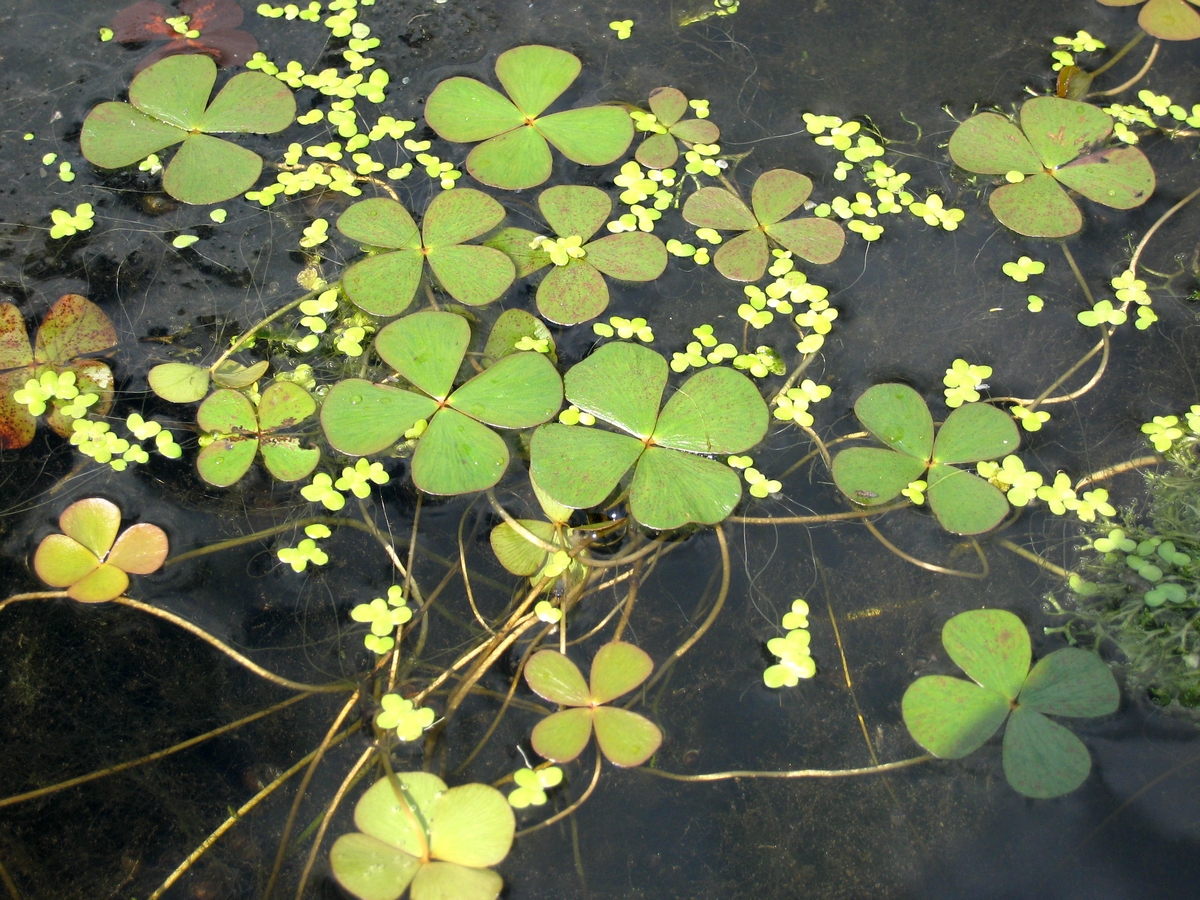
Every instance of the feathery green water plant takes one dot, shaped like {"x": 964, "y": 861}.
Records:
{"x": 413, "y": 830}
{"x": 385, "y": 283}
{"x": 625, "y": 738}
{"x": 53, "y": 373}
{"x": 1057, "y": 146}
{"x": 952, "y": 718}
{"x": 239, "y": 431}
{"x": 666, "y": 126}
{"x": 775, "y": 195}
{"x": 515, "y": 153}
{"x": 1168, "y": 20}
{"x": 574, "y": 289}
{"x": 716, "y": 411}
{"x": 167, "y": 106}
{"x": 896, "y": 415}
{"x": 89, "y": 559}
{"x": 458, "y": 452}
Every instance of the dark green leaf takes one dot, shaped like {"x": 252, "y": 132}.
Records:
{"x": 696, "y": 131}
{"x": 360, "y": 418}
{"x": 949, "y": 717}
{"x": 426, "y": 348}
{"x": 1170, "y": 20}
{"x": 973, "y": 432}
{"x": 897, "y": 415}
{"x": 631, "y": 256}
{"x": 283, "y": 405}
{"x": 472, "y": 274}
{"x": 744, "y": 258}
{"x": 668, "y": 105}
{"x": 210, "y": 170}
{"x": 572, "y": 209}
{"x": 513, "y": 161}
{"x": 227, "y": 411}
{"x": 379, "y": 222}
{"x": 513, "y": 325}
{"x": 671, "y": 489}
{"x": 1036, "y": 207}
{"x": 234, "y": 375}
{"x": 714, "y": 207}
{"x": 251, "y": 103}
{"x": 1071, "y": 682}
{"x": 1041, "y": 758}
{"x": 593, "y": 136}
{"x": 777, "y": 194}
{"x": 872, "y": 475}
{"x": 1120, "y": 177}
{"x": 519, "y": 391}
{"x": 819, "y": 241}
{"x": 457, "y": 455}
{"x": 514, "y": 243}
{"x": 117, "y": 135}
{"x": 1060, "y": 130}
{"x": 717, "y": 410}
{"x": 535, "y": 75}
{"x": 224, "y": 461}
{"x": 992, "y": 647}
{"x": 287, "y": 460}
{"x": 384, "y": 285}
{"x": 175, "y": 90}
{"x": 658, "y": 151}
{"x": 464, "y": 110}
{"x": 964, "y": 503}
{"x": 457, "y": 216}
{"x": 579, "y": 466}
{"x": 572, "y": 293}
{"x": 992, "y": 145}
{"x": 620, "y": 383}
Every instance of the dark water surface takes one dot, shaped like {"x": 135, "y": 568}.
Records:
{"x": 84, "y": 688}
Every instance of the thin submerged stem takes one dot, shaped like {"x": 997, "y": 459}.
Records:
{"x": 331, "y": 521}
{"x": 261, "y": 324}
{"x": 816, "y": 520}
{"x": 794, "y": 773}
{"x": 1119, "y": 55}
{"x": 1141, "y": 462}
{"x": 347, "y": 783}
{"x": 1033, "y": 558}
{"x": 932, "y": 567}
{"x": 1141, "y": 73}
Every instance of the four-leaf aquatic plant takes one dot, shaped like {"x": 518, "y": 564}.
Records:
{"x": 775, "y": 195}
{"x": 415, "y": 831}
{"x": 458, "y": 452}
{"x": 384, "y": 284}
{"x": 1057, "y": 146}
{"x": 951, "y": 718}
{"x": 716, "y": 411}
{"x": 515, "y": 154}
{"x": 73, "y": 328}
{"x": 668, "y": 106}
{"x": 896, "y": 414}
{"x": 573, "y": 290}
{"x": 89, "y": 560}
{"x": 167, "y": 106}
{"x": 625, "y": 738}
{"x": 239, "y": 431}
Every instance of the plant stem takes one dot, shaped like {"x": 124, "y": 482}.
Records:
{"x": 1120, "y": 54}
{"x": 33, "y": 595}
{"x": 243, "y": 338}
{"x": 816, "y": 520}
{"x": 1135, "y": 79}
{"x": 335, "y": 687}
{"x": 1033, "y": 558}
{"x": 1137, "y": 253}
{"x": 932, "y": 567}
{"x": 1078, "y": 274}
{"x": 159, "y": 754}
{"x": 562, "y": 814}
{"x": 332, "y": 521}
{"x": 237, "y": 816}
{"x": 347, "y": 783}
{"x": 1102, "y": 474}
{"x": 794, "y": 773}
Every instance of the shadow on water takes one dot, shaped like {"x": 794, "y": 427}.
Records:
{"x": 84, "y": 688}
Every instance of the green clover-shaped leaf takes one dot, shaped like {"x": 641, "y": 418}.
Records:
{"x": 384, "y": 284}
{"x": 574, "y": 289}
{"x": 515, "y": 153}
{"x": 896, "y": 414}
{"x": 775, "y": 195}
{"x": 1056, "y": 147}
{"x": 415, "y": 831}
{"x": 951, "y": 718}
{"x": 240, "y": 431}
{"x": 716, "y": 411}
{"x": 625, "y": 738}
{"x": 660, "y": 150}
{"x": 458, "y": 452}
{"x": 73, "y": 328}
{"x": 89, "y": 559}
{"x": 167, "y": 106}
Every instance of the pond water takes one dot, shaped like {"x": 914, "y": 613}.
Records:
{"x": 85, "y": 687}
